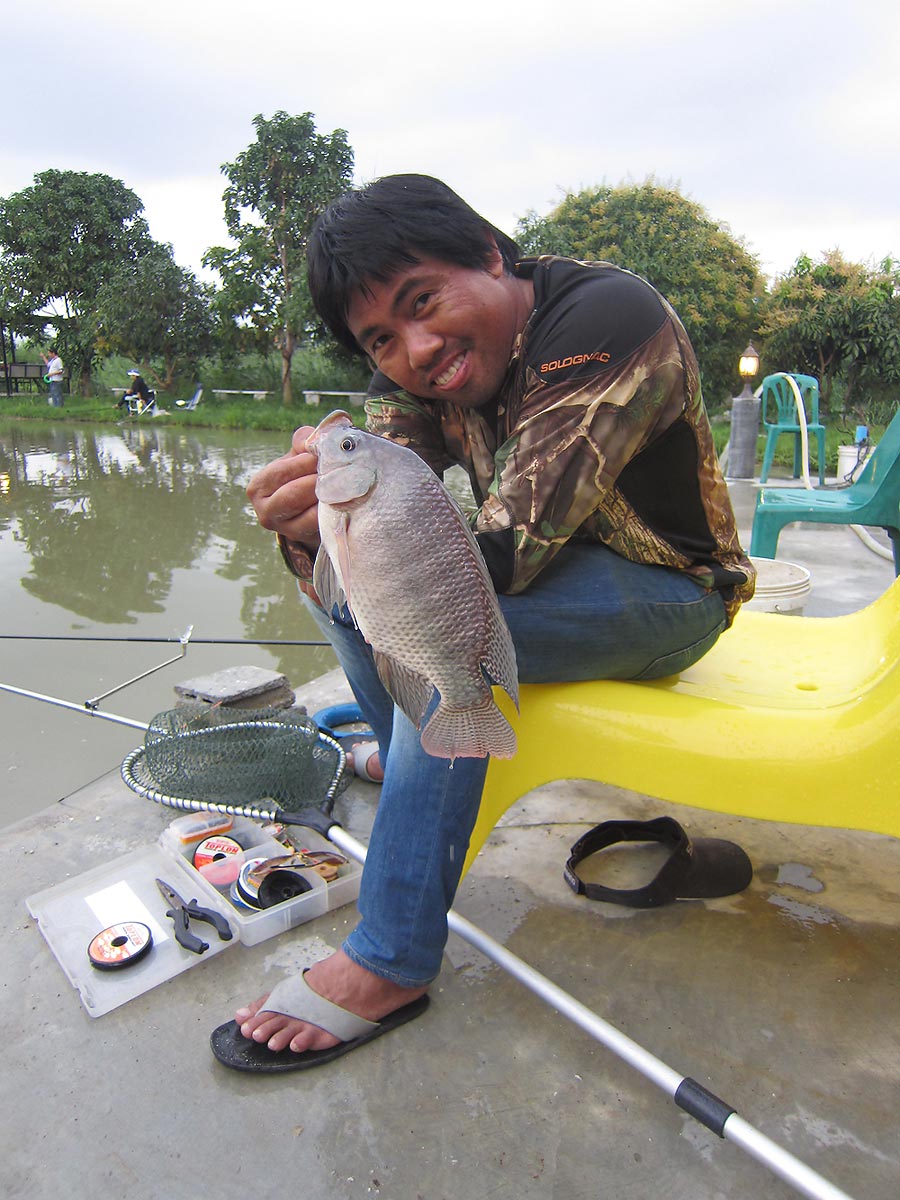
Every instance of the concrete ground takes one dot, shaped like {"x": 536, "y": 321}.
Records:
{"x": 783, "y": 1000}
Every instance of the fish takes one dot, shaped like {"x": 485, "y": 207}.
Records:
{"x": 397, "y": 550}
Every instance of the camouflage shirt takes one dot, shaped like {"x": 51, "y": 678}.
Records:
{"x": 599, "y": 433}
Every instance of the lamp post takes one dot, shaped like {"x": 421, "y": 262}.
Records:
{"x": 747, "y": 368}
{"x": 744, "y": 421}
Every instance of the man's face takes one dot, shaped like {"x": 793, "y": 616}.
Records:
{"x": 441, "y": 331}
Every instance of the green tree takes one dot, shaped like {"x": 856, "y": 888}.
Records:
{"x": 59, "y": 240}
{"x": 157, "y": 313}
{"x": 839, "y": 321}
{"x": 708, "y": 276}
{"x": 277, "y": 187}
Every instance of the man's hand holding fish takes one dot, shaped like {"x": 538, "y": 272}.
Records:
{"x": 283, "y": 494}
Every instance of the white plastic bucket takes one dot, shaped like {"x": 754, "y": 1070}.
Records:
{"x": 847, "y": 460}
{"x": 781, "y": 587}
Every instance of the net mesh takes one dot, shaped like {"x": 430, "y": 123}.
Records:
{"x": 239, "y": 756}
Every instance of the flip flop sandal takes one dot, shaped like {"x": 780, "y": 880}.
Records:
{"x": 295, "y": 998}
{"x": 359, "y": 743}
{"x": 363, "y": 753}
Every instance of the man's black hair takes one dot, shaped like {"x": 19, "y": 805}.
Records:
{"x": 369, "y": 234}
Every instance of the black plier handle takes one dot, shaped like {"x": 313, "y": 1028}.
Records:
{"x": 183, "y": 913}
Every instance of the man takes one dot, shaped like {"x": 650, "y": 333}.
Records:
{"x": 570, "y": 393}
{"x": 55, "y": 372}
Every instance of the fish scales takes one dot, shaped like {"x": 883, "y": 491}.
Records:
{"x": 396, "y": 547}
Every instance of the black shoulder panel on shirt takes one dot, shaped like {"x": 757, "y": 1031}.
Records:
{"x": 662, "y": 486}
{"x": 589, "y": 318}
{"x": 380, "y": 385}
{"x": 499, "y": 550}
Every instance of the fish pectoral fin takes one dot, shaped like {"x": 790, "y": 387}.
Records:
{"x": 325, "y": 581}
{"x": 343, "y": 553}
{"x": 345, "y": 483}
{"x": 410, "y": 690}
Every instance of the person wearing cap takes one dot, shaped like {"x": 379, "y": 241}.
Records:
{"x": 137, "y": 386}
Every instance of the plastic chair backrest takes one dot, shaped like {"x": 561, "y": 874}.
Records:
{"x": 809, "y": 390}
{"x": 778, "y": 389}
{"x": 885, "y": 456}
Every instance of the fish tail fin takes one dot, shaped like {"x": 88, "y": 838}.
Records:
{"x": 473, "y": 732}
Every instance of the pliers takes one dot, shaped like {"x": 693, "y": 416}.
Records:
{"x": 182, "y": 913}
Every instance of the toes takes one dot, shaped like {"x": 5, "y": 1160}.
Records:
{"x": 250, "y": 1010}
{"x": 282, "y": 1038}
{"x": 265, "y": 1026}
{"x": 277, "y": 1031}
{"x": 312, "y": 1037}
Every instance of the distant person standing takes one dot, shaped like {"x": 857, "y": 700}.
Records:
{"x": 55, "y": 371}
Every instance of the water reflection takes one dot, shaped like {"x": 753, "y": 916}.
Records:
{"x": 105, "y": 521}
{"x": 128, "y": 532}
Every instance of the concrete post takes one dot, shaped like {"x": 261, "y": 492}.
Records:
{"x": 744, "y": 438}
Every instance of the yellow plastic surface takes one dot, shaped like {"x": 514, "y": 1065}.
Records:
{"x": 791, "y": 719}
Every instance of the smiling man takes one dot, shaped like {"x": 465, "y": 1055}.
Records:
{"x": 570, "y": 394}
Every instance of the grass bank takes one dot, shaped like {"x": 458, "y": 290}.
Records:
{"x": 213, "y": 412}
{"x": 243, "y": 412}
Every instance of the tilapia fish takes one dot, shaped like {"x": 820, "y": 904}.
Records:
{"x": 396, "y": 548}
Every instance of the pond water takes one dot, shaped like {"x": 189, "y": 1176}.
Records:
{"x": 124, "y": 533}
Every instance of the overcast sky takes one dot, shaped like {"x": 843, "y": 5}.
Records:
{"x": 781, "y": 118}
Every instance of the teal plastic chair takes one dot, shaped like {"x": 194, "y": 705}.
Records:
{"x": 778, "y": 401}
{"x": 873, "y": 500}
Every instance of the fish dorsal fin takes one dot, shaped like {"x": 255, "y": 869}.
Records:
{"x": 499, "y": 661}
{"x": 410, "y": 690}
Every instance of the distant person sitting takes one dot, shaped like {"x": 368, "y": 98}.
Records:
{"x": 137, "y": 393}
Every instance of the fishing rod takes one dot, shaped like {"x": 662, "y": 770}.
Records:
{"x": 184, "y": 640}
{"x": 689, "y": 1095}
{"x": 195, "y": 641}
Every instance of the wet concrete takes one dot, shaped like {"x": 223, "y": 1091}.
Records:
{"x": 783, "y": 1000}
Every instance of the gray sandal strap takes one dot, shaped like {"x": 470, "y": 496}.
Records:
{"x": 293, "y": 997}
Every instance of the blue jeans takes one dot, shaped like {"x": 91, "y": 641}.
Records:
{"x": 56, "y": 393}
{"x": 589, "y": 615}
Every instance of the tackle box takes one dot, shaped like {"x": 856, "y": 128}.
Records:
{"x": 71, "y": 914}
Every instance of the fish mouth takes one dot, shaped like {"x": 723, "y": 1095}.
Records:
{"x": 336, "y": 418}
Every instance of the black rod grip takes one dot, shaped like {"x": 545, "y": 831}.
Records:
{"x": 708, "y": 1109}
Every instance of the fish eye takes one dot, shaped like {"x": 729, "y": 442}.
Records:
{"x": 348, "y": 443}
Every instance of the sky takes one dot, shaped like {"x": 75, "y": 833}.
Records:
{"x": 780, "y": 118}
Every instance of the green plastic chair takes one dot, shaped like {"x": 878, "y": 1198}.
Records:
{"x": 778, "y": 399}
{"x": 873, "y": 500}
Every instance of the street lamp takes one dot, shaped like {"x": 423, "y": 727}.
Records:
{"x": 747, "y": 369}
{"x": 744, "y": 421}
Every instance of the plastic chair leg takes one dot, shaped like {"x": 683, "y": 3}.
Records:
{"x": 771, "y": 439}
{"x": 767, "y": 525}
{"x": 894, "y": 535}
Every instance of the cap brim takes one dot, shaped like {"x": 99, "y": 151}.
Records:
{"x": 701, "y": 869}
{"x": 709, "y": 867}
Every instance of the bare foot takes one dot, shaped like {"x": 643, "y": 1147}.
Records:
{"x": 339, "y": 980}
